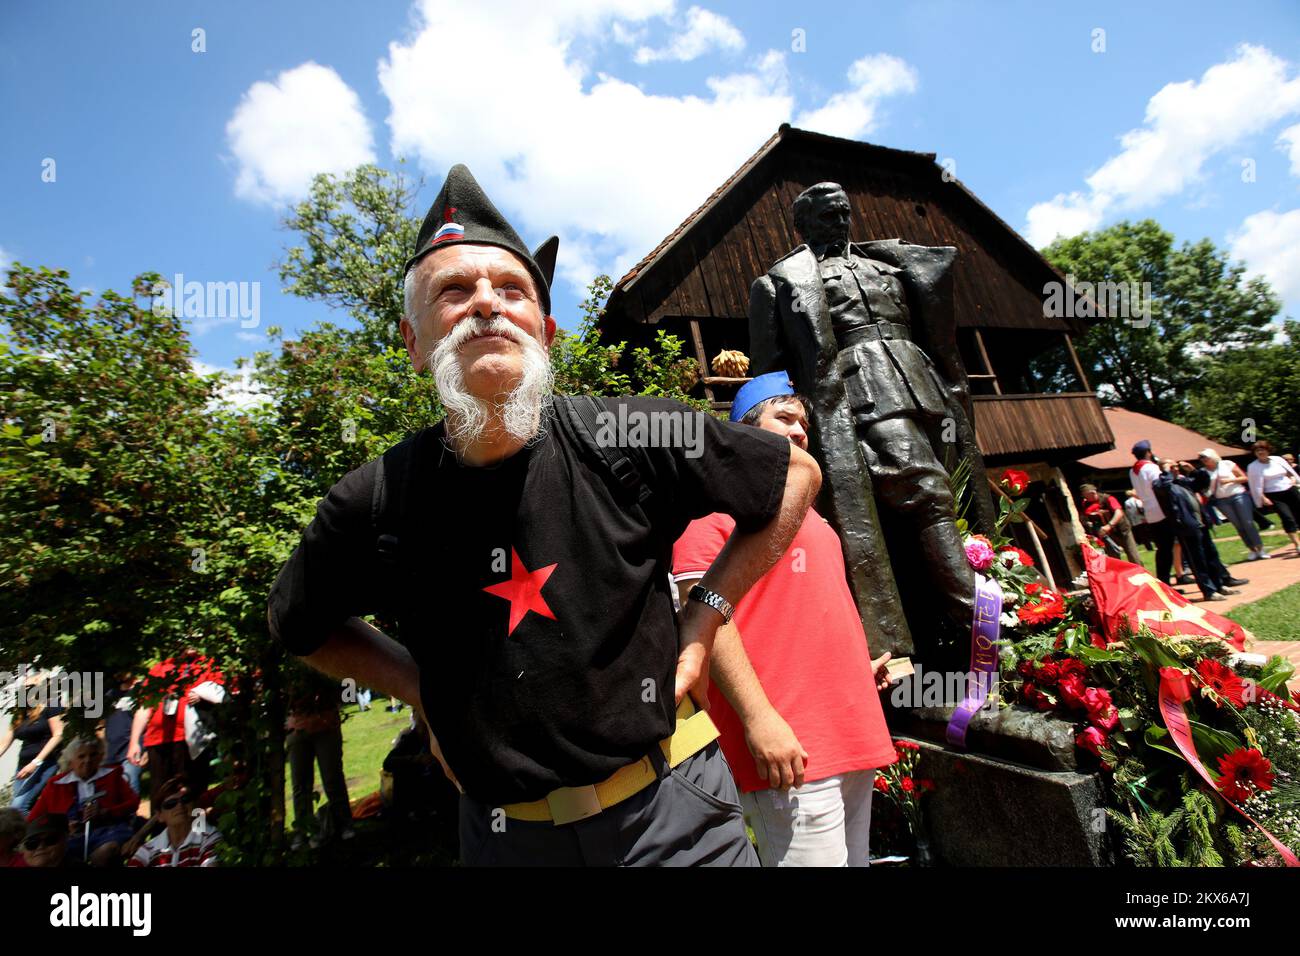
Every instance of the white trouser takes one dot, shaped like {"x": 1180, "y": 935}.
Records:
{"x": 823, "y": 823}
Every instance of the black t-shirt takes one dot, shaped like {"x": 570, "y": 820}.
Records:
{"x": 534, "y": 600}
{"x": 35, "y": 734}
{"x": 117, "y": 726}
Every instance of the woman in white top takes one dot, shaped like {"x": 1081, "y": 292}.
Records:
{"x": 1273, "y": 483}
{"x": 1228, "y": 489}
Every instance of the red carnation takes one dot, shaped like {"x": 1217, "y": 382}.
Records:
{"x": 1023, "y": 556}
{"x": 1035, "y": 696}
{"x": 881, "y": 784}
{"x": 1242, "y": 772}
{"x": 1072, "y": 690}
{"x": 1106, "y": 720}
{"x": 908, "y": 784}
{"x": 1223, "y": 682}
{"x": 1096, "y": 700}
{"x": 1072, "y": 665}
{"x": 1092, "y": 740}
{"x": 1014, "y": 481}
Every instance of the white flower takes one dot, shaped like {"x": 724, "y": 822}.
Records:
{"x": 1009, "y": 619}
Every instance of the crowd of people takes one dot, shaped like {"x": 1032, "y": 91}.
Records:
{"x": 1173, "y": 506}
{"x": 77, "y": 802}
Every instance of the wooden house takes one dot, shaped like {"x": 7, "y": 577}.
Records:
{"x": 1034, "y": 406}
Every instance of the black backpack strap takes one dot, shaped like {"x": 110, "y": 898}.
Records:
{"x": 388, "y": 500}
{"x": 581, "y": 415}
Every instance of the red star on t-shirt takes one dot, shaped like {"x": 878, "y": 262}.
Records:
{"x": 523, "y": 590}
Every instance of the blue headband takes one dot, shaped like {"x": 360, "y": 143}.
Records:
{"x": 760, "y": 389}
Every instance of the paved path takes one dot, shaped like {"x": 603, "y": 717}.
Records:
{"x": 1265, "y": 577}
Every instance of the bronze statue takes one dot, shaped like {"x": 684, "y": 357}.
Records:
{"x": 867, "y": 333}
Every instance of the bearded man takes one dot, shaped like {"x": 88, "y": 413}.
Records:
{"x": 537, "y": 634}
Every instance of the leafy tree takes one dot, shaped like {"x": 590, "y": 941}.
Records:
{"x": 1251, "y": 392}
{"x": 356, "y": 234}
{"x": 1201, "y": 309}
{"x": 102, "y": 410}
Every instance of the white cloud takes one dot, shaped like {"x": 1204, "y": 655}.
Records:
{"x": 1269, "y": 244}
{"x": 238, "y": 389}
{"x": 703, "y": 32}
{"x": 283, "y": 133}
{"x": 1186, "y": 123}
{"x": 1289, "y": 140}
{"x": 852, "y": 113}
{"x": 607, "y": 165}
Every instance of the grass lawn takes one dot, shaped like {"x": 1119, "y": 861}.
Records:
{"x": 1274, "y": 618}
{"x": 367, "y": 738}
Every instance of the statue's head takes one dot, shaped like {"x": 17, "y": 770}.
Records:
{"x": 821, "y": 215}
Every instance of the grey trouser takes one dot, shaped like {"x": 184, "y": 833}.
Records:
{"x": 690, "y": 817}
{"x": 324, "y": 747}
{"x": 1240, "y": 510}
{"x": 1122, "y": 537}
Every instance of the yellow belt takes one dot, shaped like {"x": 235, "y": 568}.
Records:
{"x": 694, "y": 732}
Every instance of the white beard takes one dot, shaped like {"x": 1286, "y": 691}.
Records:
{"x": 517, "y": 413}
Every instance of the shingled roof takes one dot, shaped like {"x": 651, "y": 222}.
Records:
{"x": 919, "y": 167}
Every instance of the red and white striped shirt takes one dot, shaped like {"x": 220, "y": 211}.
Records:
{"x": 197, "y": 849}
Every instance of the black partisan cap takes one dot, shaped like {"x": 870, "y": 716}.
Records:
{"x": 463, "y": 213}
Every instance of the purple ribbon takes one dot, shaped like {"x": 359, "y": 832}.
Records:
{"x": 985, "y": 627}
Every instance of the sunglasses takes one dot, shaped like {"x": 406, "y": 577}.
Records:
{"x": 171, "y": 803}
{"x": 42, "y": 842}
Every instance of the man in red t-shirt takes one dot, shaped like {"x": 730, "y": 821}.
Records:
{"x": 794, "y": 689}
{"x": 1109, "y": 523}
{"x": 186, "y": 681}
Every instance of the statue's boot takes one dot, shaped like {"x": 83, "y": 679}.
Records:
{"x": 945, "y": 556}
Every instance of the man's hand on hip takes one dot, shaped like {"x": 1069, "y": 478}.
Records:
{"x": 697, "y": 625}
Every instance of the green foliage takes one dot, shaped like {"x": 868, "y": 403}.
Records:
{"x": 1198, "y": 297}
{"x": 1250, "y": 388}
{"x": 99, "y": 493}
{"x": 356, "y": 235}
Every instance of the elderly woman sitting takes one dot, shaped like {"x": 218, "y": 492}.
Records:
{"x": 98, "y": 802}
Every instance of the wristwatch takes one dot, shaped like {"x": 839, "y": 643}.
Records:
{"x": 714, "y": 600}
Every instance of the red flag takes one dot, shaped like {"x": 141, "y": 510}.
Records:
{"x": 1130, "y": 593}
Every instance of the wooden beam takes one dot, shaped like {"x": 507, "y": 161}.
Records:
{"x": 988, "y": 366}
{"x": 1078, "y": 366}
{"x": 701, "y": 357}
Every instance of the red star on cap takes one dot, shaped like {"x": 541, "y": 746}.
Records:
{"x": 523, "y": 590}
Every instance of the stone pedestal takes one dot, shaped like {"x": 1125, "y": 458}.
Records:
{"x": 987, "y": 811}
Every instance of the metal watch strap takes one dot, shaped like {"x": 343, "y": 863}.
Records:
{"x": 714, "y": 600}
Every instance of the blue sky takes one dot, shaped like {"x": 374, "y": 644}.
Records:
{"x": 607, "y": 121}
